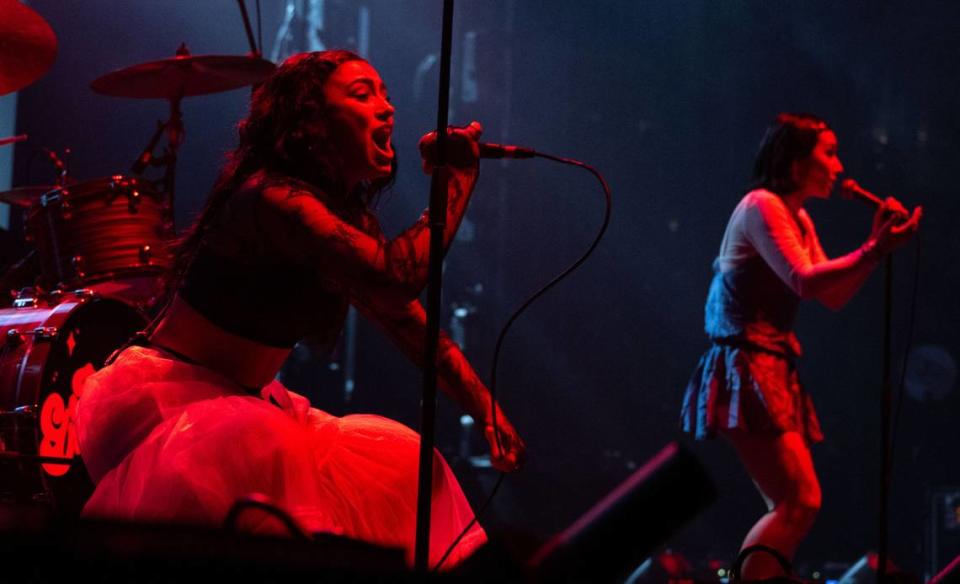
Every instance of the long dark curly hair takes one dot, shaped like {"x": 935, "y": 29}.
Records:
{"x": 285, "y": 133}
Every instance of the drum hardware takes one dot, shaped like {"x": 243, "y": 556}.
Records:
{"x": 100, "y": 245}
{"x": 14, "y": 337}
{"x": 45, "y": 333}
{"x": 25, "y": 197}
{"x": 146, "y": 252}
{"x": 103, "y": 229}
{"x": 77, "y": 263}
{"x": 147, "y": 158}
{"x": 173, "y": 79}
{"x": 51, "y": 348}
{"x": 13, "y": 139}
{"x": 57, "y": 164}
{"x": 184, "y": 75}
{"x": 28, "y": 302}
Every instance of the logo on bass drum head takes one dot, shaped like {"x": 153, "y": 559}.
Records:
{"x": 58, "y": 435}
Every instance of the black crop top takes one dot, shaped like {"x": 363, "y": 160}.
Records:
{"x": 241, "y": 282}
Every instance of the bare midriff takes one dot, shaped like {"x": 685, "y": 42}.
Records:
{"x": 187, "y": 332}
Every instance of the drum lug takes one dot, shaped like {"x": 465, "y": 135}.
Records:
{"x": 83, "y": 292}
{"x": 54, "y": 297}
{"x": 45, "y": 333}
{"x": 77, "y": 263}
{"x": 66, "y": 211}
{"x": 14, "y": 337}
{"x": 146, "y": 252}
{"x": 25, "y": 302}
{"x": 133, "y": 201}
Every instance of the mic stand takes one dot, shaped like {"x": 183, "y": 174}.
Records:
{"x": 885, "y": 410}
{"x": 438, "y": 213}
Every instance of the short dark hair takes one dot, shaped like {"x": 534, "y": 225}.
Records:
{"x": 791, "y": 137}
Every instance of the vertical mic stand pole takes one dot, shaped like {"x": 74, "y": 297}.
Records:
{"x": 885, "y": 407}
{"x": 438, "y": 213}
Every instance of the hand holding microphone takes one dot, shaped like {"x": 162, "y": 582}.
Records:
{"x": 893, "y": 224}
{"x": 464, "y": 148}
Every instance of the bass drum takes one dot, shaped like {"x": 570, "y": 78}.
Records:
{"x": 49, "y": 348}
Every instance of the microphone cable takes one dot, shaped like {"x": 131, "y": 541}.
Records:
{"x": 516, "y": 314}
{"x": 269, "y": 507}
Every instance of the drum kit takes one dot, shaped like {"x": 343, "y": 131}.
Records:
{"x": 93, "y": 277}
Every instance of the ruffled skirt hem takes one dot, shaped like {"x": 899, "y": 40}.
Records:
{"x": 166, "y": 440}
{"x": 754, "y": 390}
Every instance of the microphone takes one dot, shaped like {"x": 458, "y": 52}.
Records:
{"x": 850, "y": 189}
{"x": 488, "y": 150}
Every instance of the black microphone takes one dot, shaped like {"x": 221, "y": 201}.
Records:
{"x": 488, "y": 150}
{"x": 850, "y": 189}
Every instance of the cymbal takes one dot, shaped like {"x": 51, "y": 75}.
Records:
{"x": 25, "y": 197}
{"x": 28, "y": 46}
{"x": 184, "y": 76}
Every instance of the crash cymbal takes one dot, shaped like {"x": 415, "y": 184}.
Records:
{"x": 28, "y": 46}
{"x": 25, "y": 197}
{"x": 184, "y": 76}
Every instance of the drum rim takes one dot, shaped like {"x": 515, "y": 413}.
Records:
{"x": 33, "y": 369}
{"x": 90, "y": 187}
{"x": 59, "y": 316}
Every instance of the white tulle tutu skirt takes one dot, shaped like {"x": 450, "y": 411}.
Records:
{"x": 165, "y": 440}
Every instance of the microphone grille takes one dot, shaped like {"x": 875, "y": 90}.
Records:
{"x": 848, "y": 187}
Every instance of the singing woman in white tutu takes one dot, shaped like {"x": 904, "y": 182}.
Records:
{"x": 183, "y": 424}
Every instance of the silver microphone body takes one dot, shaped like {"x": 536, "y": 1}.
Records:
{"x": 850, "y": 189}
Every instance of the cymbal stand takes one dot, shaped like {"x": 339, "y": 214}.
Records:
{"x": 175, "y": 133}
{"x": 175, "y": 137}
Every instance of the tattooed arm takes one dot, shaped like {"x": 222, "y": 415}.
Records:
{"x": 301, "y": 225}
{"x": 405, "y": 324}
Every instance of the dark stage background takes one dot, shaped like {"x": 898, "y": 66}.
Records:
{"x": 669, "y": 100}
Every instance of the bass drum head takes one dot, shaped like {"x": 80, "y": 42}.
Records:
{"x": 80, "y": 339}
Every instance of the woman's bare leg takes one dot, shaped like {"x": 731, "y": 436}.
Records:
{"x": 782, "y": 469}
